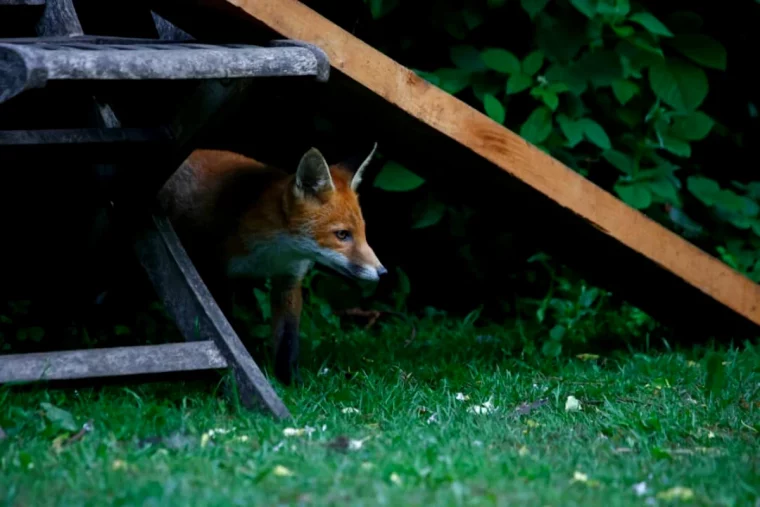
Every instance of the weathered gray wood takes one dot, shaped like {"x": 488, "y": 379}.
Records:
{"x": 110, "y": 362}
{"x": 59, "y": 18}
{"x": 197, "y": 315}
{"x": 21, "y": 2}
{"x": 84, "y": 145}
{"x": 27, "y": 66}
{"x": 161, "y": 254}
{"x": 323, "y": 69}
{"x": 82, "y": 39}
{"x": 81, "y": 136}
{"x": 168, "y": 31}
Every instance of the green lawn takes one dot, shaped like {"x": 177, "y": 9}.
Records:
{"x": 386, "y": 424}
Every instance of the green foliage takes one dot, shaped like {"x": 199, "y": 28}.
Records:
{"x": 654, "y": 71}
{"x": 574, "y": 314}
{"x": 635, "y": 195}
{"x": 533, "y": 7}
{"x": 428, "y": 212}
{"x": 493, "y": 108}
{"x": 467, "y": 58}
{"x": 701, "y": 49}
{"x": 692, "y": 126}
{"x": 715, "y": 379}
{"x": 652, "y": 24}
{"x": 624, "y": 90}
{"x": 617, "y": 90}
{"x": 58, "y": 418}
{"x": 620, "y": 91}
{"x": 679, "y": 84}
{"x": 380, "y": 8}
{"x": 533, "y": 62}
{"x": 518, "y": 83}
{"x": 594, "y": 133}
{"x": 394, "y": 177}
{"x": 538, "y": 126}
{"x": 501, "y": 61}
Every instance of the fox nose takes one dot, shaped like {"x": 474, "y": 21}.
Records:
{"x": 381, "y": 270}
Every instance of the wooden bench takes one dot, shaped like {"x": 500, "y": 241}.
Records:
{"x": 222, "y": 73}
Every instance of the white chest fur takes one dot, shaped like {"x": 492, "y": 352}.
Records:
{"x": 280, "y": 256}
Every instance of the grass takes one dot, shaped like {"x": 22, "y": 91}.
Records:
{"x": 385, "y": 424}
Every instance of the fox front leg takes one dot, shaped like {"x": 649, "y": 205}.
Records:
{"x": 286, "y": 316}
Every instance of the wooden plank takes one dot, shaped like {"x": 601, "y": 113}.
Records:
{"x": 21, "y": 2}
{"x": 169, "y": 268}
{"x": 87, "y": 145}
{"x": 59, "y": 18}
{"x": 111, "y": 362}
{"x": 34, "y": 65}
{"x": 686, "y": 274}
{"x": 169, "y": 32}
{"x": 189, "y": 302}
{"x": 85, "y": 136}
{"x": 157, "y": 247}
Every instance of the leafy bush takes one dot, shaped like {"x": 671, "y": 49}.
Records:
{"x": 621, "y": 92}
{"x": 601, "y": 81}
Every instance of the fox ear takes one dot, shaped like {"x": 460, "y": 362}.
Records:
{"x": 358, "y": 174}
{"x": 313, "y": 174}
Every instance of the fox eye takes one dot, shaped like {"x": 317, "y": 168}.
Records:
{"x": 343, "y": 235}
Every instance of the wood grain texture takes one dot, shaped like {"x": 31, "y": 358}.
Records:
{"x": 171, "y": 271}
{"x": 27, "y": 66}
{"x": 403, "y": 89}
{"x": 198, "y": 317}
{"x": 59, "y": 18}
{"x": 110, "y": 362}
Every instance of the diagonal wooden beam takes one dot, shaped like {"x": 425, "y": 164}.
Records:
{"x": 703, "y": 274}
{"x": 198, "y": 317}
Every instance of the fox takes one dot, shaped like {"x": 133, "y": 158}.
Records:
{"x": 239, "y": 218}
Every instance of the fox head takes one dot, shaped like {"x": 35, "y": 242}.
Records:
{"x": 323, "y": 208}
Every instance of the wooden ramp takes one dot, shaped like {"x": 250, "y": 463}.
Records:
{"x": 612, "y": 243}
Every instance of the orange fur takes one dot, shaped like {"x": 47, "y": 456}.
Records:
{"x": 241, "y": 218}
